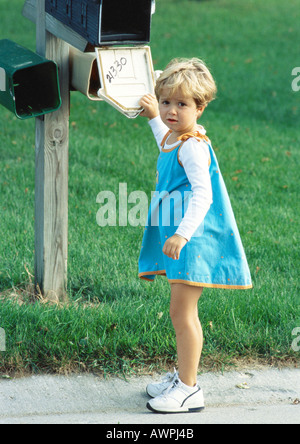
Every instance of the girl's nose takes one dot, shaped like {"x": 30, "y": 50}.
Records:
{"x": 172, "y": 110}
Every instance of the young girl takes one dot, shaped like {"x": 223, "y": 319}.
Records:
{"x": 191, "y": 235}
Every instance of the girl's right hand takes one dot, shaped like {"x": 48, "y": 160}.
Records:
{"x": 150, "y": 105}
{"x": 174, "y": 245}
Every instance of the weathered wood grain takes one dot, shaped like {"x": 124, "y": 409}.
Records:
{"x": 51, "y": 202}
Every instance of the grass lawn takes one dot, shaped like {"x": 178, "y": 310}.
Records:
{"x": 114, "y": 322}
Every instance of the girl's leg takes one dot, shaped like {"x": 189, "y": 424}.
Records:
{"x": 189, "y": 336}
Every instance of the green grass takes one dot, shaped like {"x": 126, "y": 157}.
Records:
{"x": 114, "y": 322}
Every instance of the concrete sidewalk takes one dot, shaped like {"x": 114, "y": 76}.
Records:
{"x": 267, "y": 396}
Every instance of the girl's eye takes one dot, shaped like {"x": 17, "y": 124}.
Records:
{"x": 181, "y": 104}
{"x": 165, "y": 102}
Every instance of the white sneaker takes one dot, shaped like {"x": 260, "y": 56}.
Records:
{"x": 158, "y": 388}
{"x": 178, "y": 398}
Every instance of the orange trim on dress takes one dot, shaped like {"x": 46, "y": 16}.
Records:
{"x": 147, "y": 273}
{"x": 172, "y": 149}
{"x": 221, "y": 286}
{"x": 193, "y": 284}
{"x": 183, "y": 138}
{"x": 195, "y": 134}
{"x": 165, "y": 138}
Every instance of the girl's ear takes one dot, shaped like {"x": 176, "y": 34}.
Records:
{"x": 200, "y": 111}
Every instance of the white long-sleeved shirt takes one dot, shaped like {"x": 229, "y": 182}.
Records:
{"x": 195, "y": 159}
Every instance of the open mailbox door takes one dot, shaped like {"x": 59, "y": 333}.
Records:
{"x": 84, "y": 74}
{"x": 126, "y": 75}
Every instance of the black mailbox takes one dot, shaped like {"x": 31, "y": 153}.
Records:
{"x": 105, "y": 22}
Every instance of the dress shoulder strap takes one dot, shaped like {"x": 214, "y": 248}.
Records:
{"x": 196, "y": 134}
{"x": 165, "y": 138}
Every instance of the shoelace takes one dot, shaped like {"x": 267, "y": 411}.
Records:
{"x": 169, "y": 376}
{"x": 176, "y": 383}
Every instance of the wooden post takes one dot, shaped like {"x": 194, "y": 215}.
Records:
{"x": 51, "y": 175}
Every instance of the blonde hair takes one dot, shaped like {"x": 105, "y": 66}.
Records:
{"x": 192, "y": 77}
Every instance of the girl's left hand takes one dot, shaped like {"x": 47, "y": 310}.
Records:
{"x": 173, "y": 246}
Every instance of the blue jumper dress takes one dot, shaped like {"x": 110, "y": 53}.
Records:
{"x": 214, "y": 256}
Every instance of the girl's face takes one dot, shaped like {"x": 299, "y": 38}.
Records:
{"x": 178, "y": 112}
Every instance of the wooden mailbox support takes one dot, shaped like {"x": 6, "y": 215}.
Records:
{"x": 51, "y": 174}
{"x": 52, "y": 130}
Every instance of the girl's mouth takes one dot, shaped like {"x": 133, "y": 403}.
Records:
{"x": 172, "y": 120}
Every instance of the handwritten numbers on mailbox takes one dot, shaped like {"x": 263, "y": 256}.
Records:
{"x": 115, "y": 69}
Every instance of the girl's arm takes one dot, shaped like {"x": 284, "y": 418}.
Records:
{"x": 195, "y": 159}
{"x": 159, "y": 129}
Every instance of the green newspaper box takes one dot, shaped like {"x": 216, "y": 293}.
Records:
{"x": 29, "y": 85}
